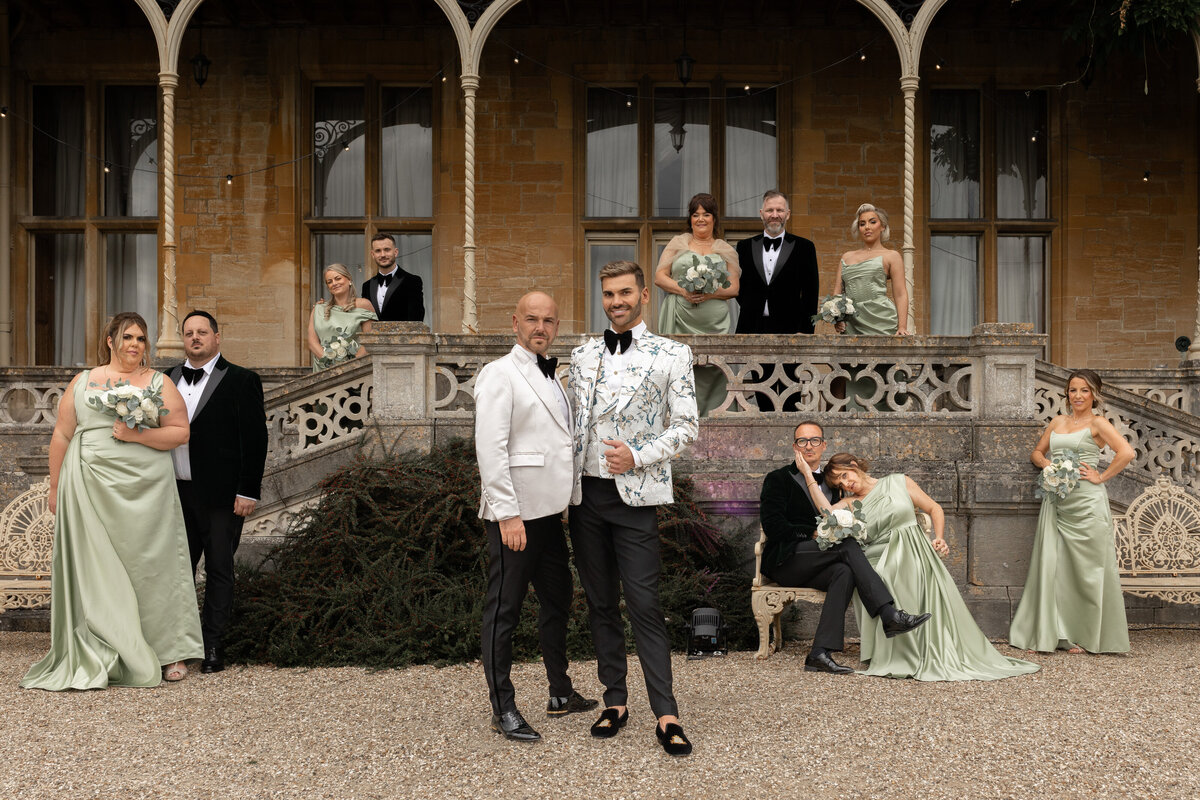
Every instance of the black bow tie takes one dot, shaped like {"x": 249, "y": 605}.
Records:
{"x": 547, "y": 365}
{"x": 192, "y": 376}
{"x": 771, "y": 244}
{"x": 384, "y": 280}
{"x": 612, "y": 340}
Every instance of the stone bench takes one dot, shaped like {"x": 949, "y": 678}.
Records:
{"x": 768, "y": 599}
{"x": 26, "y": 544}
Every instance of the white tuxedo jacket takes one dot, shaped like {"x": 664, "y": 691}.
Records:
{"x": 654, "y": 414}
{"x": 522, "y": 441}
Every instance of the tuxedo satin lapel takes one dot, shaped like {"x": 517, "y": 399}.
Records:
{"x": 175, "y": 373}
{"x": 218, "y": 374}
{"x": 785, "y": 252}
{"x": 544, "y": 391}
{"x": 757, "y": 249}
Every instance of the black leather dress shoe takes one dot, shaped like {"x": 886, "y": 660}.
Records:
{"x": 609, "y": 724}
{"x": 214, "y": 660}
{"x": 561, "y": 706}
{"x": 672, "y": 739}
{"x": 514, "y": 727}
{"x": 904, "y": 622}
{"x": 823, "y": 662}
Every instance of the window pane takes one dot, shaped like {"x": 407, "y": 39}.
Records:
{"x": 131, "y": 151}
{"x": 601, "y": 252}
{"x": 338, "y": 174}
{"x": 751, "y": 150}
{"x": 58, "y": 148}
{"x": 337, "y": 248}
{"x": 1021, "y": 280}
{"x": 681, "y": 151}
{"x": 131, "y": 275}
{"x": 406, "y": 179}
{"x": 416, "y": 256}
{"x": 612, "y": 154}
{"x": 1021, "y": 155}
{"x": 954, "y": 155}
{"x": 954, "y": 284}
{"x": 59, "y": 299}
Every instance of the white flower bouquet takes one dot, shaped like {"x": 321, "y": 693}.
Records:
{"x": 834, "y": 308}
{"x": 840, "y": 523}
{"x": 705, "y": 275}
{"x": 137, "y": 408}
{"x": 341, "y": 347}
{"x": 1058, "y": 478}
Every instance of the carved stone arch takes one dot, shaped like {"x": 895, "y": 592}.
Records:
{"x": 896, "y": 29}
{"x": 175, "y": 31}
{"x": 471, "y": 40}
{"x": 920, "y": 27}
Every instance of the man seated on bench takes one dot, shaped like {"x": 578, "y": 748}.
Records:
{"x": 791, "y": 557}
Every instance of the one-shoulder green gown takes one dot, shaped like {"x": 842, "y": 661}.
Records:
{"x": 1073, "y": 591}
{"x": 950, "y": 646}
{"x": 122, "y": 602}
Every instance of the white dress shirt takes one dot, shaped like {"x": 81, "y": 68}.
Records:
{"x": 191, "y": 398}
{"x": 381, "y": 290}
{"x": 770, "y": 259}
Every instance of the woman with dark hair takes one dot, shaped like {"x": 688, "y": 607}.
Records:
{"x": 691, "y": 309}
{"x": 1072, "y": 599}
{"x": 123, "y": 607}
{"x": 950, "y": 646}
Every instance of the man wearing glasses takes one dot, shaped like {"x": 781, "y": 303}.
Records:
{"x": 792, "y": 558}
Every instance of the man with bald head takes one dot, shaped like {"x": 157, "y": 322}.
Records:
{"x": 524, "y": 447}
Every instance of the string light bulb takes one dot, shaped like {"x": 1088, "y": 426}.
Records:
{"x": 517, "y": 58}
{"x": 746, "y": 88}
{"x": 3, "y": 111}
{"x": 941, "y": 62}
{"x": 1033, "y": 138}
{"x": 229, "y": 180}
{"x": 628, "y": 101}
{"x": 443, "y": 79}
{"x": 862, "y": 56}
{"x": 346, "y": 145}
{"x": 1146, "y": 176}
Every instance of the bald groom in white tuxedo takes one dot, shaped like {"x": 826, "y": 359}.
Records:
{"x": 525, "y": 451}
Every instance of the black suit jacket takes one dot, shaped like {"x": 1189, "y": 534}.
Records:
{"x": 792, "y": 293}
{"x": 404, "y": 300}
{"x": 228, "y": 446}
{"x": 787, "y": 514}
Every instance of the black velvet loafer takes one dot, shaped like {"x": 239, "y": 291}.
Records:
{"x": 573, "y": 703}
{"x": 672, "y": 740}
{"x": 609, "y": 724}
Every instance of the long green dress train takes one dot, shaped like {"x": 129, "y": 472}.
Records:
{"x": 122, "y": 603}
{"x": 874, "y": 312}
{"x": 346, "y": 324}
{"x": 1073, "y": 591}
{"x": 950, "y": 646}
{"x": 677, "y": 316}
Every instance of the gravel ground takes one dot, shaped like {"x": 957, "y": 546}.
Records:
{"x": 1084, "y": 726}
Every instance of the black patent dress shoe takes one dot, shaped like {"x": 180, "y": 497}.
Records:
{"x": 214, "y": 660}
{"x": 823, "y": 662}
{"x": 672, "y": 739}
{"x": 514, "y": 727}
{"x": 561, "y": 706}
{"x": 904, "y": 622}
{"x": 609, "y": 724}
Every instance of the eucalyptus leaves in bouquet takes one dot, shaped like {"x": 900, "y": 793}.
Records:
{"x": 834, "y": 308}
{"x": 1060, "y": 477}
{"x": 342, "y": 347}
{"x": 837, "y": 524}
{"x": 138, "y": 408}
{"x": 706, "y": 275}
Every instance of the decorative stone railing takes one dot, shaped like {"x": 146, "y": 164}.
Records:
{"x": 1175, "y": 387}
{"x": 318, "y": 411}
{"x": 1165, "y": 440}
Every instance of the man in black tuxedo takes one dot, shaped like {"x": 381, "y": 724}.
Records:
{"x": 396, "y": 295}
{"x": 792, "y": 558}
{"x": 219, "y": 471}
{"x": 780, "y": 280}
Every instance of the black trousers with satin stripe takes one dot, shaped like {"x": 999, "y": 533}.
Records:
{"x": 214, "y": 533}
{"x": 837, "y": 571}
{"x": 545, "y": 563}
{"x": 616, "y": 546}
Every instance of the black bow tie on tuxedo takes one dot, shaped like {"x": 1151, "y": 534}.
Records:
{"x": 612, "y": 340}
{"x": 547, "y": 365}
{"x": 771, "y": 244}
{"x": 384, "y": 280}
{"x": 192, "y": 376}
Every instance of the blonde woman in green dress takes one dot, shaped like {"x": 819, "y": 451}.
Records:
{"x": 333, "y": 327}
{"x": 685, "y": 312}
{"x": 863, "y": 275}
{"x": 1072, "y": 599}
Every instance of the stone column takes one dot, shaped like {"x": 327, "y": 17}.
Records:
{"x": 470, "y": 320}
{"x": 402, "y": 358}
{"x": 908, "y": 84}
{"x": 169, "y": 345}
{"x": 1005, "y": 378}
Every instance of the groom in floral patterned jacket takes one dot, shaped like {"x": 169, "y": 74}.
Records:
{"x": 634, "y": 404}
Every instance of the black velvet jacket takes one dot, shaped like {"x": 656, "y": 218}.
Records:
{"x": 787, "y": 514}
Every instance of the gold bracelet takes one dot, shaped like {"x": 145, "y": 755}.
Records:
{"x": 812, "y": 483}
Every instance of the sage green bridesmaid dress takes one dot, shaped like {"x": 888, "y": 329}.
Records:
{"x": 340, "y": 323}
{"x": 874, "y": 313}
{"x": 950, "y": 646}
{"x": 1073, "y": 591}
{"x": 677, "y": 316}
{"x": 122, "y": 603}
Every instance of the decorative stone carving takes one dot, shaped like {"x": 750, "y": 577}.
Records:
{"x": 26, "y": 544}
{"x": 1158, "y": 544}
